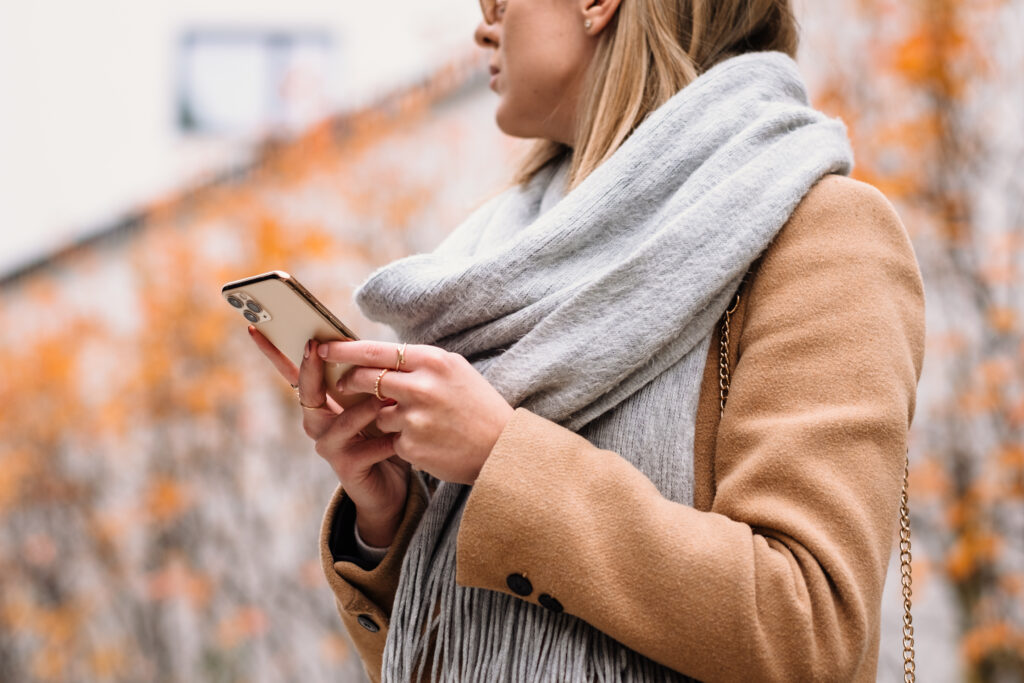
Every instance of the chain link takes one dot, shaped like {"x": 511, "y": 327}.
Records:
{"x": 723, "y": 356}
{"x": 909, "y": 670}
{"x": 909, "y": 667}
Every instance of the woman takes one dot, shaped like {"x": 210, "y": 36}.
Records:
{"x": 583, "y": 503}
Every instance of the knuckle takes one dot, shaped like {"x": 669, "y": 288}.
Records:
{"x": 418, "y": 420}
{"x": 433, "y": 357}
{"x": 421, "y": 388}
{"x": 450, "y": 363}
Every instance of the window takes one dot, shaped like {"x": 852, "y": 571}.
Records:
{"x": 247, "y": 83}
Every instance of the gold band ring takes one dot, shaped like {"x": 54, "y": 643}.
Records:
{"x": 376, "y": 385}
{"x": 322, "y": 405}
{"x": 295, "y": 388}
{"x": 401, "y": 357}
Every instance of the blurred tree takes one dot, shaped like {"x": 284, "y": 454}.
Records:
{"x": 160, "y": 502}
{"x": 933, "y": 95}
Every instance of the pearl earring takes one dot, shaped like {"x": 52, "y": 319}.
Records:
{"x": 587, "y": 24}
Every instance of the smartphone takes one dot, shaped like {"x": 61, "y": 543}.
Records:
{"x": 288, "y": 315}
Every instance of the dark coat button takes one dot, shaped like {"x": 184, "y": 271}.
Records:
{"x": 546, "y": 600}
{"x": 366, "y": 622}
{"x": 519, "y": 584}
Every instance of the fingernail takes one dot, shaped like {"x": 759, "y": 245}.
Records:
{"x": 323, "y": 351}
{"x": 251, "y": 329}
{"x": 305, "y": 354}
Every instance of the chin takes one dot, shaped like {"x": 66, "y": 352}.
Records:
{"x": 510, "y": 124}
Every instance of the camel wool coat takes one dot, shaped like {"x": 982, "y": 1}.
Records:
{"x": 776, "y": 572}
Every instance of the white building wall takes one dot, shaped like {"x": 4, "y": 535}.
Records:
{"x": 87, "y": 96}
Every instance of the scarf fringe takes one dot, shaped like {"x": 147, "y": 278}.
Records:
{"x": 492, "y": 636}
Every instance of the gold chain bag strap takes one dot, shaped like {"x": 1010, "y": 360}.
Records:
{"x": 905, "y": 557}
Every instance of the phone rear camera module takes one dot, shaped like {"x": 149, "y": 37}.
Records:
{"x": 251, "y": 317}
{"x": 253, "y": 306}
{"x": 235, "y": 301}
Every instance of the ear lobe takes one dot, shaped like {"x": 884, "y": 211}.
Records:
{"x": 597, "y": 14}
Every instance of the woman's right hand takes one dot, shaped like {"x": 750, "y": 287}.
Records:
{"x": 374, "y": 478}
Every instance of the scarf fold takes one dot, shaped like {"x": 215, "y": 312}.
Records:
{"x": 594, "y": 309}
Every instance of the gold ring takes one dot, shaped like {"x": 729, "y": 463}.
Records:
{"x": 322, "y": 405}
{"x": 376, "y": 385}
{"x": 401, "y": 357}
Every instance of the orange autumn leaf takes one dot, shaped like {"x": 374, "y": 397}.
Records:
{"x": 930, "y": 480}
{"x": 971, "y": 551}
{"x": 165, "y": 499}
{"x": 318, "y": 244}
{"x": 334, "y": 647}
{"x": 996, "y": 372}
{"x": 50, "y": 664}
{"x": 107, "y": 661}
{"x": 247, "y": 622}
{"x": 15, "y": 468}
{"x": 991, "y": 637}
{"x": 207, "y": 330}
{"x": 1011, "y": 456}
{"x": 1001, "y": 274}
{"x": 979, "y": 401}
{"x": 175, "y": 580}
{"x": 1003, "y": 319}
{"x": 1013, "y": 583}
{"x": 946, "y": 343}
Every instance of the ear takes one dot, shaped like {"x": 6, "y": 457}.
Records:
{"x": 599, "y": 13}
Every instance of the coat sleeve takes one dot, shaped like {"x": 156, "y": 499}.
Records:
{"x": 364, "y": 592}
{"x": 782, "y": 578}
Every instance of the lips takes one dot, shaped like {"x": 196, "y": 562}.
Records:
{"x": 494, "y": 75}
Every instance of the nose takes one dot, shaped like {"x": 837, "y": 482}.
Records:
{"x": 486, "y": 35}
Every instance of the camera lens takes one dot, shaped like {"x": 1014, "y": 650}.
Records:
{"x": 235, "y": 301}
{"x": 253, "y": 306}
{"x": 251, "y": 317}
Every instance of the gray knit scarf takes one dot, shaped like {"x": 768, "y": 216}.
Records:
{"x": 595, "y": 309}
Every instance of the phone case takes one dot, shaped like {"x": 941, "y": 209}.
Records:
{"x": 288, "y": 315}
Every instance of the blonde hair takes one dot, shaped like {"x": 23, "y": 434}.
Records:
{"x": 648, "y": 52}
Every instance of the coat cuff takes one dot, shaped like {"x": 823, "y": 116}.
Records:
{"x": 355, "y": 581}
{"x": 344, "y": 542}
{"x": 497, "y": 546}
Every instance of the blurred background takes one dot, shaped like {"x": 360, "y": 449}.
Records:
{"x": 159, "y": 503}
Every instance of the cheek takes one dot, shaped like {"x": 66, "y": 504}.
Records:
{"x": 542, "y": 66}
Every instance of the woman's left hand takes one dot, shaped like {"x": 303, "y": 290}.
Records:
{"x": 446, "y": 416}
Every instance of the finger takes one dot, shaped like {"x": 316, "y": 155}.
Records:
{"x": 401, "y": 445}
{"x": 373, "y": 354}
{"x": 360, "y": 456}
{"x": 278, "y": 359}
{"x": 316, "y": 422}
{"x": 346, "y": 427}
{"x": 311, "y": 377}
{"x": 390, "y": 419}
{"x": 399, "y": 386}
